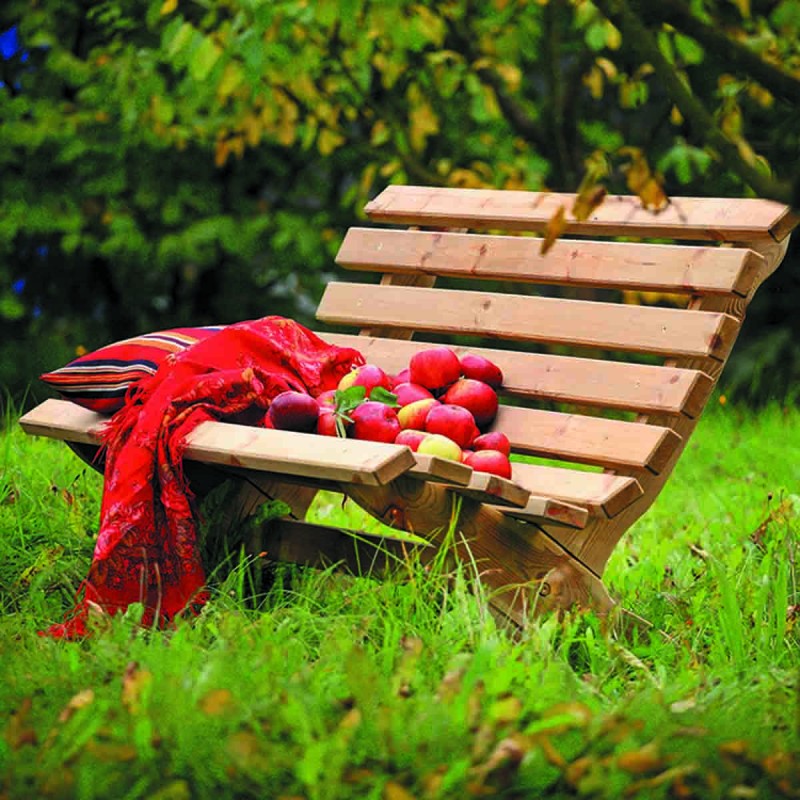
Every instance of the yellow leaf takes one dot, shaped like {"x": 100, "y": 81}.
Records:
{"x": 168, "y": 7}
{"x": 594, "y": 81}
{"x": 423, "y": 122}
{"x": 511, "y": 74}
{"x": 587, "y": 200}
{"x": 380, "y": 133}
{"x": 608, "y": 67}
{"x": 675, "y": 116}
{"x": 18, "y": 732}
{"x": 613, "y": 36}
{"x": 328, "y": 140}
{"x": 554, "y": 228}
{"x": 394, "y": 791}
{"x": 221, "y": 152}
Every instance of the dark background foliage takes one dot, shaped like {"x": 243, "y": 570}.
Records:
{"x": 187, "y": 163}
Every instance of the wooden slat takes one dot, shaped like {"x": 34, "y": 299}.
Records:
{"x": 663, "y": 331}
{"x": 282, "y": 452}
{"x": 644, "y": 388}
{"x": 488, "y": 488}
{"x": 620, "y": 265}
{"x": 548, "y": 511}
{"x": 600, "y": 491}
{"x": 442, "y": 470}
{"x": 587, "y": 440}
{"x": 716, "y": 219}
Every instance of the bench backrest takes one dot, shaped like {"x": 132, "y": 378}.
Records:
{"x": 590, "y": 379}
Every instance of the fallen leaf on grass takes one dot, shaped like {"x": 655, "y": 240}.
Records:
{"x": 17, "y": 732}
{"x": 668, "y": 777}
{"x": 174, "y": 790}
{"x": 134, "y": 682}
{"x": 394, "y": 791}
{"x": 645, "y": 759}
{"x": 110, "y": 752}
{"x": 78, "y": 701}
{"x": 216, "y": 702}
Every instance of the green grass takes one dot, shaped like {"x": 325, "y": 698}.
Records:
{"x": 314, "y": 685}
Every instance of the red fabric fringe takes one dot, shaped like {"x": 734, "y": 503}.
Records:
{"x": 147, "y": 544}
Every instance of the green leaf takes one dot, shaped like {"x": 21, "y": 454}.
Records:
{"x": 203, "y": 59}
{"x": 381, "y": 395}
{"x": 347, "y": 400}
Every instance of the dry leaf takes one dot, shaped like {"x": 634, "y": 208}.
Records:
{"x": 110, "y": 752}
{"x": 216, "y": 702}
{"x": 134, "y": 681}
{"x": 587, "y": 200}
{"x": 645, "y": 759}
{"x": 394, "y": 791}
{"x": 18, "y": 733}
{"x": 556, "y": 225}
{"x": 80, "y": 700}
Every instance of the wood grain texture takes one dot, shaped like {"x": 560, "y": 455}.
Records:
{"x": 524, "y": 571}
{"x": 564, "y": 379}
{"x": 715, "y": 219}
{"x": 587, "y": 440}
{"x": 594, "y": 264}
{"x": 226, "y": 444}
{"x": 546, "y": 510}
{"x": 609, "y": 326}
{"x": 603, "y": 493}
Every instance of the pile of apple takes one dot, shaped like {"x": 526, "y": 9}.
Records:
{"x": 439, "y": 405}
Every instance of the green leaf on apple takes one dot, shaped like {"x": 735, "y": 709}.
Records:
{"x": 381, "y": 395}
{"x": 345, "y": 401}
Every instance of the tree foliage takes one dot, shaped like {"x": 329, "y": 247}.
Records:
{"x": 197, "y": 162}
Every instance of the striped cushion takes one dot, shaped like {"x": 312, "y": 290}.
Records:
{"x": 100, "y": 380}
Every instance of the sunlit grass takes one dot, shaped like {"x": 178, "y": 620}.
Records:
{"x": 312, "y": 684}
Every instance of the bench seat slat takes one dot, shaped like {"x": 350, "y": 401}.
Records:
{"x": 587, "y": 440}
{"x": 641, "y": 329}
{"x": 547, "y": 511}
{"x": 620, "y": 265}
{"x": 715, "y": 219}
{"x": 566, "y": 379}
{"x": 282, "y": 452}
{"x": 602, "y": 492}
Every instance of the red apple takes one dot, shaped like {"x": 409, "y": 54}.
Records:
{"x": 410, "y": 438}
{"x": 494, "y": 440}
{"x": 492, "y": 461}
{"x": 476, "y": 396}
{"x": 434, "y": 444}
{"x": 326, "y": 424}
{"x": 326, "y": 399}
{"x": 294, "y": 411}
{"x": 369, "y": 376}
{"x": 409, "y": 392}
{"x": 481, "y": 369}
{"x": 413, "y": 415}
{"x": 434, "y": 368}
{"x": 375, "y": 421}
{"x": 466, "y": 455}
{"x": 401, "y": 377}
{"x": 452, "y": 421}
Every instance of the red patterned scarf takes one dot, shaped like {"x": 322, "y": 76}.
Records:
{"x": 147, "y": 544}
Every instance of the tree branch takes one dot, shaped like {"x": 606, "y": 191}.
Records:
{"x": 739, "y": 56}
{"x": 641, "y": 42}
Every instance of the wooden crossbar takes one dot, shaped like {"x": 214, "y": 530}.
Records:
{"x": 570, "y": 262}
{"x": 669, "y": 332}
{"x": 715, "y": 219}
{"x": 645, "y": 388}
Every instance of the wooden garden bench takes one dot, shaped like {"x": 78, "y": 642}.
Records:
{"x": 605, "y": 393}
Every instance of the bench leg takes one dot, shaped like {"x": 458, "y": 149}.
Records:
{"x": 523, "y": 570}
